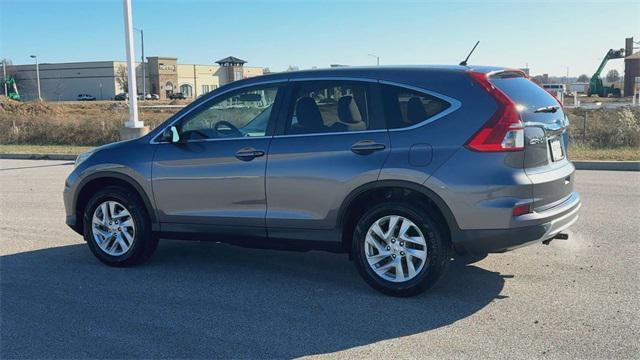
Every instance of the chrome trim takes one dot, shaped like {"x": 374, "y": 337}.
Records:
{"x": 331, "y": 133}
{"x": 215, "y": 139}
{"x": 455, "y": 104}
{"x": 239, "y": 87}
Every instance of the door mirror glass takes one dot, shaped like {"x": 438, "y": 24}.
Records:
{"x": 171, "y": 135}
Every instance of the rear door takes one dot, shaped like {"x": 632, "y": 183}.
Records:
{"x": 546, "y": 140}
{"x": 329, "y": 142}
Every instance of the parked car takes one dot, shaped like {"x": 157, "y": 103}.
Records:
{"x": 177, "y": 96}
{"x": 554, "y": 89}
{"x": 152, "y": 97}
{"x": 397, "y": 166}
{"x": 86, "y": 97}
{"x": 121, "y": 97}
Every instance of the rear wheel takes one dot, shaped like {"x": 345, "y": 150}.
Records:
{"x": 400, "y": 249}
{"x": 117, "y": 227}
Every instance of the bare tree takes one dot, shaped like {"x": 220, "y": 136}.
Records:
{"x": 613, "y": 76}
{"x": 583, "y": 78}
{"x": 122, "y": 78}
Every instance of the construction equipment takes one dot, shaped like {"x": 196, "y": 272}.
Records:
{"x": 12, "y": 88}
{"x": 596, "y": 87}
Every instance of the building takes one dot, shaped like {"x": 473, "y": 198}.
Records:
{"x": 103, "y": 79}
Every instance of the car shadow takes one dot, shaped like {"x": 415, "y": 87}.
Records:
{"x": 197, "y": 300}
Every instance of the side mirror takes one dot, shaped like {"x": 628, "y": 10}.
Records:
{"x": 171, "y": 135}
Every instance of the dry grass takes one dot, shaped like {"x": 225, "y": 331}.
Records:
{"x": 611, "y": 134}
{"x": 581, "y": 152}
{"x": 77, "y": 124}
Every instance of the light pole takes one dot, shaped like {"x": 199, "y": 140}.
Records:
{"x": 4, "y": 76}
{"x": 37, "y": 76}
{"x": 377, "y": 58}
{"x": 131, "y": 67}
{"x": 144, "y": 79}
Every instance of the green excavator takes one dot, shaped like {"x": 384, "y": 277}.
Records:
{"x": 12, "y": 88}
{"x": 596, "y": 87}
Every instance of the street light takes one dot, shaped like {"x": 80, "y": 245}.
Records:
{"x": 4, "y": 76}
{"x": 377, "y": 58}
{"x": 37, "y": 76}
{"x": 144, "y": 80}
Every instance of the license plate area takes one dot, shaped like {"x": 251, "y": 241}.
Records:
{"x": 556, "y": 149}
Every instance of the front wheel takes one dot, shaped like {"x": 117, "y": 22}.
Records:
{"x": 400, "y": 249}
{"x": 117, "y": 227}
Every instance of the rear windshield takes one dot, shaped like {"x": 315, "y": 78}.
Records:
{"x": 529, "y": 95}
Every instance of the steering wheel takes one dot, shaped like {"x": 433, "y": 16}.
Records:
{"x": 232, "y": 131}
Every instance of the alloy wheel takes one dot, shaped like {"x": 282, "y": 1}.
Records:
{"x": 395, "y": 248}
{"x": 113, "y": 228}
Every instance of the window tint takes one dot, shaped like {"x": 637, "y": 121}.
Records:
{"x": 242, "y": 114}
{"x": 403, "y": 107}
{"x": 328, "y": 106}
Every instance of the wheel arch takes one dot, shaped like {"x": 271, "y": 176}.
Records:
{"x": 355, "y": 204}
{"x": 92, "y": 183}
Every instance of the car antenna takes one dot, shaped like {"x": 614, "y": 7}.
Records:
{"x": 464, "y": 62}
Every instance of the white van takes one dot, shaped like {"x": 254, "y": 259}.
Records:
{"x": 554, "y": 89}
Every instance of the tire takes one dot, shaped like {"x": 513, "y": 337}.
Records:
{"x": 144, "y": 243}
{"x": 436, "y": 243}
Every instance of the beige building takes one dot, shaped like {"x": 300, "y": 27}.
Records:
{"x": 163, "y": 76}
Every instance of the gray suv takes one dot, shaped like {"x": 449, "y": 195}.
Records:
{"x": 396, "y": 166}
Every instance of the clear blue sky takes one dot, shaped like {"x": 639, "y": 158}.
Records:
{"x": 549, "y": 36}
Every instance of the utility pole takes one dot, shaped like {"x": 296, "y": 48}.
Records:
{"x": 37, "y": 77}
{"x": 144, "y": 79}
{"x": 377, "y": 58}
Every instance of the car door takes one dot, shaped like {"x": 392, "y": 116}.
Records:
{"x": 330, "y": 140}
{"x": 212, "y": 179}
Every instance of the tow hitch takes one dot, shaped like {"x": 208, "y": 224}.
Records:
{"x": 559, "y": 236}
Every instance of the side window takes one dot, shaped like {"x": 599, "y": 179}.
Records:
{"x": 404, "y": 107}
{"x": 240, "y": 114}
{"x": 328, "y": 106}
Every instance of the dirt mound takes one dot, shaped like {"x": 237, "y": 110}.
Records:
{"x": 17, "y": 108}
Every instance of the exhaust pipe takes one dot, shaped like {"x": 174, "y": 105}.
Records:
{"x": 559, "y": 236}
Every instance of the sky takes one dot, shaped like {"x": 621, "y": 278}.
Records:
{"x": 548, "y": 36}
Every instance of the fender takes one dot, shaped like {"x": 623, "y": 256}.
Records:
{"x": 437, "y": 200}
{"x": 129, "y": 180}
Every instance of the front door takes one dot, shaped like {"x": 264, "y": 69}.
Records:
{"x": 329, "y": 142}
{"x": 212, "y": 180}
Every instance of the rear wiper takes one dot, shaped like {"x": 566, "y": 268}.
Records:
{"x": 547, "y": 109}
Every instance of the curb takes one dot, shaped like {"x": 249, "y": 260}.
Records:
{"x": 606, "y": 165}
{"x": 39, "y": 156}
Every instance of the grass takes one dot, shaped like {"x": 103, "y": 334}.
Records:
{"x": 576, "y": 152}
{"x": 43, "y": 149}
{"x": 581, "y": 152}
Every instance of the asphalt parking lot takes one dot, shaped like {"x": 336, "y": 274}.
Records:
{"x": 578, "y": 298}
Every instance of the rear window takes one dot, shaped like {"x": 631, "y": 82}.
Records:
{"x": 530, "y": 96}
{"x": 404, "y": 108}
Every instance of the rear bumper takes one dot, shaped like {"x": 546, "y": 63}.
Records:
{"x": 546, "y": 225}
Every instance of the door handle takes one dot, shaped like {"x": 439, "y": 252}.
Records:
{"x": 366, "y": 147}
{"x": 248, "y": 154}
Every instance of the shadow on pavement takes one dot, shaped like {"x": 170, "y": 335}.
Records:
{"x": 195, "y": 300}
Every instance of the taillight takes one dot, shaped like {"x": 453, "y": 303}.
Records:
{"x": 504, "y": 131}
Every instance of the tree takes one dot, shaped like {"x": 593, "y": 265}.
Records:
{"x": 583, "y": 78}
{"x": 122, "y": 78}
{"x": 613, "y": 76}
